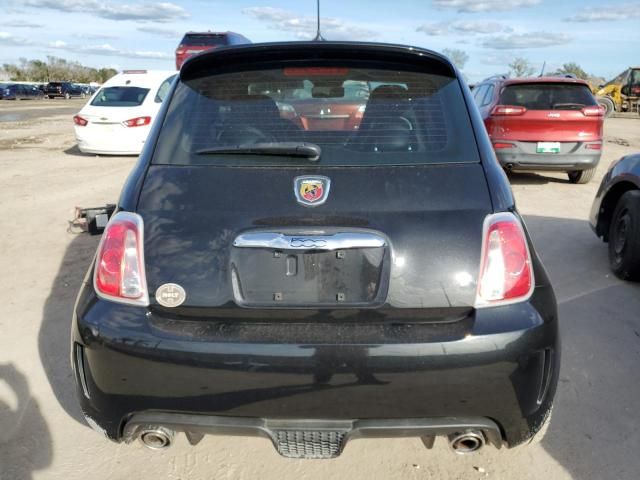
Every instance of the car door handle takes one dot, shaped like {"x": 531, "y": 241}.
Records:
{"x": 337, "y": 241}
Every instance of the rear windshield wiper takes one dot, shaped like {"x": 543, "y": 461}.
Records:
{"x": 310, "y": 151}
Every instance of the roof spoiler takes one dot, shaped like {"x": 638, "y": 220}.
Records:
{"x": 274, "y": 55}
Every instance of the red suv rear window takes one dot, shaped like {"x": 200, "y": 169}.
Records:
{"x": 548, "y": 96}
{"x": 204, "y": 39}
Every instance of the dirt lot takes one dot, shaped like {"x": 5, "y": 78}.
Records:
{"x": 595, "y": 432}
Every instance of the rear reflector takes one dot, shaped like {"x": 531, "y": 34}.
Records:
{"x": 137, "y": 122}
{"x": 78, "y": 120}
{"x": 119, "y": 273}
{"x": 508, "y": 110}
{"x": 315, "y": 71}
{"x": 506, "y": 274}
{"x": 596, "y": 111}
{"x": 503, "y": 145}
{"x": 593, "y": 146}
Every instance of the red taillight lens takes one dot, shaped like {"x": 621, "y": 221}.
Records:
{"x": 119, "y": 271}
{"x": 596, "y": 111}
{"x": 506, "y": 275}
{"x": 137, "y": 122}
{"x": 78, "y": 120}
{"x": 593, "y": 146}
{"x": 508, "y": 110}
{"x": 180, "y": 52}
{"x": 498, "y": 145}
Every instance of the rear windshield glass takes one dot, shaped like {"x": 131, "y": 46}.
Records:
{"x": 548, "y": 96}
{"x": 120, "y": 97}
{"x": 357, "y": 116}
{"x": 203, "y": 40}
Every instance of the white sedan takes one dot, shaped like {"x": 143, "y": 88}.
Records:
{"x": 118, "y": 118}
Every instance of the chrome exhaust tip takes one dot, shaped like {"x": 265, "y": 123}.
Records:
{"x": 466, "y": 442}
{"x": 157, "y": 438}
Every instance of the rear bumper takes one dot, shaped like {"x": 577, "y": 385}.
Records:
{"x": 497, "y": 365}
{"x": 122, "y": 141}
{"x": 317, "y": 438}
{"x": 523, "y": 157}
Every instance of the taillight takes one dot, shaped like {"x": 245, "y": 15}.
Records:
{"x": 506, "y": 274}
{"x": 596, "y": 111}
{"x": 119, "y": 270}
{"x": 78, "y": 120}
{"x": 180, "y": 52}
{"x": 137, "y": 122}
{"x": 593, "y": 146}
{"x": 508, "y": 110}
{"x": 499, "y": 145}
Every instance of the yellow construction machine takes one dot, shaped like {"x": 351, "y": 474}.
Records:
{"x": 622, "y": 94}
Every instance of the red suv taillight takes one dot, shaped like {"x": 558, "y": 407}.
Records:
{"x": 508, "y": 110}
{"x": 506, "y": 274}
{"x": 137, "y": 122}
{"x": 119, "y": 273}
{"x": 81, "y": 122}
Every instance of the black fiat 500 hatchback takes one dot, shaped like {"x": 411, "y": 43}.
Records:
{"x": 317, "y": 244}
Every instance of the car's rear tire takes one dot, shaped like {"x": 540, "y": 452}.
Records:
{"x": 608, "y": 105}
{"x": 581, "y": 176}
{"x": 624, "y": 237}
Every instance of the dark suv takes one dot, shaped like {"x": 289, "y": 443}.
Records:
{"x": 543, "y": 123}
{"x": 63, "y": 89}
{"x": 267, "y": 276}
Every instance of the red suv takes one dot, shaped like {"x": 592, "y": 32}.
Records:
{"x": 543, "y": 123}
{"x": 194, "y": 42}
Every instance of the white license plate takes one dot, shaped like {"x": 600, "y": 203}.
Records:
{"x": 548, "y": 147}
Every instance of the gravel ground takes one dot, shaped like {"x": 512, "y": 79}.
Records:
{"x": 594, "y": 433}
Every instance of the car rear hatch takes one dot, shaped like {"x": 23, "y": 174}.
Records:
{"x": 114, "y": 106}
{"x": 546, "y": 112}
{"x": 54, "y": 88}
{"x": 385, "y": 226}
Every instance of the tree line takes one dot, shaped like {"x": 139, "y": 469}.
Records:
{"x": 522, "y": 67}
{"x": 55, "y": 69}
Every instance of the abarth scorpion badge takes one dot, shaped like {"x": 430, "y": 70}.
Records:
{"x": 311, "y": 190}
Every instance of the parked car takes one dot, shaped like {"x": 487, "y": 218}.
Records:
{"x": 18, "y": 91}
{"x": 117, "y": 119}
{"x": 196, "y": 42}
{"x": 313, "y": 285}
{"x": 64, "y": 90}
{"x": 615, "y": 216}
{"x": 543, "y": 123}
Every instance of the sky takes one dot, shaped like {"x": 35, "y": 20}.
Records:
{"x": 601, "y": 37}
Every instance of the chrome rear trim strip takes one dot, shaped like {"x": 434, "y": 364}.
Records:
{"x": 337, "y": 241}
